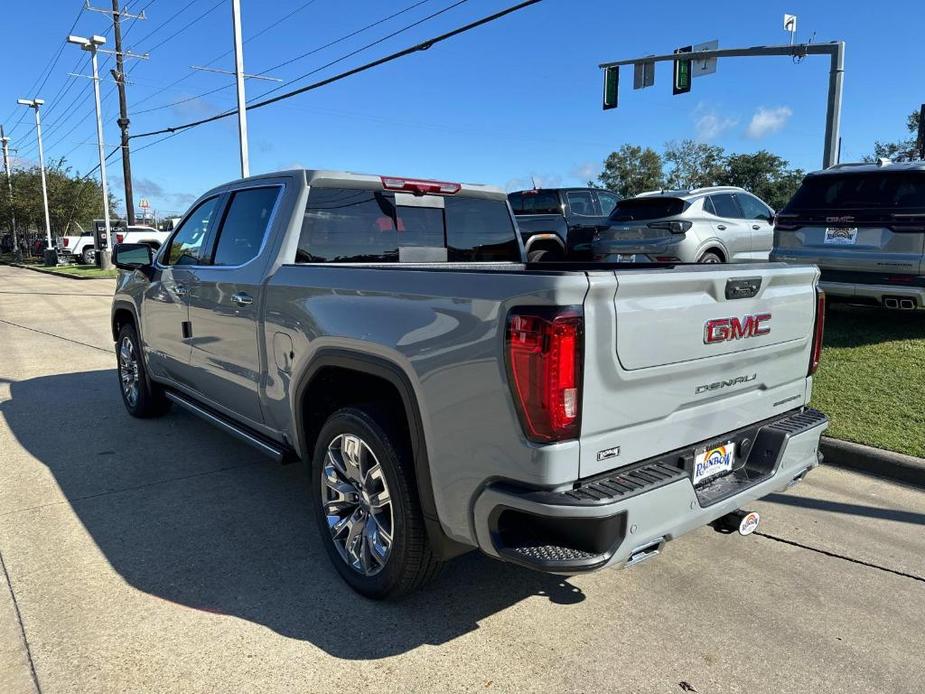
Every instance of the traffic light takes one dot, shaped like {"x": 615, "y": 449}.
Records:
{"x": 682, "y": 73}
{"x": 611, "y": 86}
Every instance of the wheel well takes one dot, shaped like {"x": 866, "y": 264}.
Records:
{"x": 121, "y": 317}
{"x": 717, "y": 250}
{"x": 335, "y": 387}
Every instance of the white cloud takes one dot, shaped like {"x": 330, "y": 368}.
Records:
{"x": 586, "y": 171}
{"x": 710, "y": 125}
{"x": 767, "y": 121}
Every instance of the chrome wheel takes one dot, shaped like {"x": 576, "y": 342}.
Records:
{"x": 128, "y": 371}
{"x": 356, "y": 504}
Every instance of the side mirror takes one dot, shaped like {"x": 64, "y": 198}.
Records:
{"x": 133, "y": 256}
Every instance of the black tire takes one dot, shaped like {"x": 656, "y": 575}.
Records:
{"x": 88, "y": 256}
{"x": 410, "y": 563}
{"x": 710, "y": 257}
{"x": 149, "y": 399}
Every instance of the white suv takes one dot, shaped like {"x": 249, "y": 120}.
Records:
{"x": 720, "y": 224}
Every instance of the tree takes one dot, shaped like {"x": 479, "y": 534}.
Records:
{"x": 766, "y": 175}
{"x": 904, "y": 150}
{"x": 693, "y": 164}
{"x": 71, "y": 199}
{"x": 632, "y": 170}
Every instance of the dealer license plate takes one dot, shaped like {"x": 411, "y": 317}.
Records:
{"x": 841, "y": 236}
{"x": 710, "y": 462}
{"x": 626, "y": 258}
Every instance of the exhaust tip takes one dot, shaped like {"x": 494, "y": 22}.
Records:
{"x": 907, "y": 304}
{"x": 890, "y": 302}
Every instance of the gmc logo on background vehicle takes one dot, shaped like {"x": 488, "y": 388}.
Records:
{"x": 727, "y": 329}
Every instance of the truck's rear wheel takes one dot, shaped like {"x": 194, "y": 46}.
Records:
{"x": 141, "y": 397}
{"x": 366, "y": 504}
{"x": 89, "y": 256}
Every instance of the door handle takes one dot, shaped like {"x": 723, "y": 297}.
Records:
{"x": 181, "y": 290}
{"x": 721, "y": 227}
{"x": 755, "y": 227}
{"x": 242, "y": 299}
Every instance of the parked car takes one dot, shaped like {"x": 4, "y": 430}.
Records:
{"x": 76, "y": 248}
{"x": 706, "y": 225}
{"x": 558, "y": 223}
{"x": 864, "y": 226}
{"x": 447, "y": 396}
{"x": 142, "y": 234}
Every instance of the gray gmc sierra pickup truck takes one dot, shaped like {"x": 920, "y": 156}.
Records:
{"x": 447, "y": 395}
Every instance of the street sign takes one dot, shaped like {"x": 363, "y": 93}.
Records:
{"x": 704, "y": 66}
{"x": 643, "y": 74}
{"x": 682, "y": 73}
{"x": 611, "y": 86}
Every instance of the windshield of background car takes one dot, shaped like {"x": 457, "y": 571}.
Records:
{"x": 882, "y": 191}
{"x": 535, "y": 202}
{"x": 635, "y": 209}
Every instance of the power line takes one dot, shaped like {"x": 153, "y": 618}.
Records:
{"x": 318, "y": 49}
{"x": 422, "y": 46}
{"x": 219, "y": 57}
{"x": 47, "y": 70}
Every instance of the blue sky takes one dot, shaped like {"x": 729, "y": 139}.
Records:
{"x": 508, "y": 101}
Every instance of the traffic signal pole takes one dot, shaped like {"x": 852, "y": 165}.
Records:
{"x": 835, "y": 50}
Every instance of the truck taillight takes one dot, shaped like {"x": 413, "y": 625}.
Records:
{"x": 420, "y": 186}
{"x": 818, "y": 330}
{"x": 544, "y": 358}
{"x": 119, "y": 238}
{"x": 66, "y": 241}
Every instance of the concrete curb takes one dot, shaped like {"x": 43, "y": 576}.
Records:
{"x": 873, "y": 461}
{"x": 52, "y": 272}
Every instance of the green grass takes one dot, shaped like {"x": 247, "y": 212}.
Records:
{"x": 83, "y": 271}
{"x": 871, "y": 381}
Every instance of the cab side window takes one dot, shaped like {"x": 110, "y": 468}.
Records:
{"x": 581, "y": 203}
{"x": 726, "y": 206}
{"x": 186, "y": 245}
{"x": 608, "y": 201}
{"x": 245, "y": 225}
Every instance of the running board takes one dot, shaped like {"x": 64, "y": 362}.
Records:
{"x": 268, "y": 448}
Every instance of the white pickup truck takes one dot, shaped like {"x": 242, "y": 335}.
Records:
{"x": 82, "y": 249}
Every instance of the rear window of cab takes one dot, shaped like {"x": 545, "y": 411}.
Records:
{"x": 343, "y": 225}
{"x": 879, "y": 190}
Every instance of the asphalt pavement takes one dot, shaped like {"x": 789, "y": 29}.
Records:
{"x": 163, "y": 555}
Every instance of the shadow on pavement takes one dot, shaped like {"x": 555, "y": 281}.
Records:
{"x": 189, "y": 515}
{"x": 851, "y": 509}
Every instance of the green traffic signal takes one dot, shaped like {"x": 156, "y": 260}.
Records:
{"x": 682, "y": 73}
{"x": 611, "y": 86}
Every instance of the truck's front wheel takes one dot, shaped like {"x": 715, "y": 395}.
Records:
{"x": 367, "y": 506}
{"x": 141, "y": 397}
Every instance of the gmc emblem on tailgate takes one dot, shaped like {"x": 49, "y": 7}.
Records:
{"x": 727, "y": 329}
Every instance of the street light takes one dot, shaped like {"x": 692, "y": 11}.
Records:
{"x": 90, "y": 45}
{"x": 35, "y": 105}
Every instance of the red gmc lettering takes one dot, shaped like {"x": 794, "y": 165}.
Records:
{"x": 726, "y": 329}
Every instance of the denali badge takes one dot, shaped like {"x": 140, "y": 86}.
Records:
{"x": 716, "y": 385}
{"x": 727, "y": 329}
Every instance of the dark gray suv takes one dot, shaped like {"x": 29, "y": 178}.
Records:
{"x": 864, "y": 226}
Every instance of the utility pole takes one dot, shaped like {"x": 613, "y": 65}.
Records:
{"x": 103, "y": 255}
{"x": 35, "y": 105}
{"x": 239, "y": 78}
{"x": 17, "y": 251}
{"x": 119, "y": 76}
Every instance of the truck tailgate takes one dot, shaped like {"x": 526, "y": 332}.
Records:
{"x": 671, "y": 361}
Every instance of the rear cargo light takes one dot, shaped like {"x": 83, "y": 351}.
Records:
{"x": 66, "y": 241}
{"x": 420, "y": 186}
{"x": 119, "y": 238}
{"x": 544, "y": 359}
{"x": 818, "y": 331}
